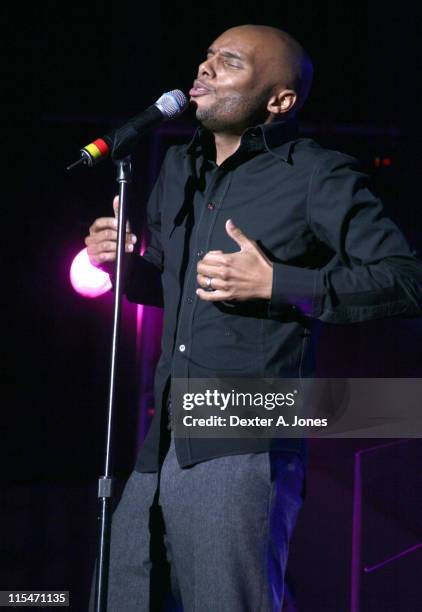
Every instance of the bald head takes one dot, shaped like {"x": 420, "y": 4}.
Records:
{"x": 252, "y": 74}
{"x": 284, "y": 60}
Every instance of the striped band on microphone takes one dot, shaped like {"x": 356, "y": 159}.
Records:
{"x": 97, "y": 149}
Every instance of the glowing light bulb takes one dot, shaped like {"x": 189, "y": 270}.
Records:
{"x": 86, "y": 279}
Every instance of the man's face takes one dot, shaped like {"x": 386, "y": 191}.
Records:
{"x": 234, "y": 84}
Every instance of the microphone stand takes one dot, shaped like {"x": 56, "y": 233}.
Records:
{"x": 105, "y": 482}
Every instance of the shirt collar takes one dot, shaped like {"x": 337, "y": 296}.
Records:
{"x": 276, "y": 138}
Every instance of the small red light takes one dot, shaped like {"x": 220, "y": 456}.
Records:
{"x": 377, "y": 162}
{"x": 386, "y": 161}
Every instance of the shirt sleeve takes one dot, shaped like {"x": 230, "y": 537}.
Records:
{"x": 143, "y": 276}
{"x": 372, "y": 272}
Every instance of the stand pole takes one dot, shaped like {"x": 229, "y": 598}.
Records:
{"x": 105, "y": 482}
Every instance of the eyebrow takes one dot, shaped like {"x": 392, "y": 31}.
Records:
{"x": 227, "y": 54}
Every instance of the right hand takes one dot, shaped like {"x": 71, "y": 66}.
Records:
{"x": 102, "y": 240}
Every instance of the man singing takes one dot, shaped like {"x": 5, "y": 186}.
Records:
{"x": 255, "y": 233}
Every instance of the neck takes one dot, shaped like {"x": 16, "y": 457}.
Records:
{"x": 225, "y": 145}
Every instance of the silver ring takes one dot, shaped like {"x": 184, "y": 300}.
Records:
{"x": 209, "y": 284}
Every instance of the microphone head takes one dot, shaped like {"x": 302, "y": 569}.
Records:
{"x": 172, "y": 103}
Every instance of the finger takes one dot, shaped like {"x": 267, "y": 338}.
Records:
{"x": 216, "y": 283}
{"x": 103, "y": 235}
{"x": 209, "y": 270}
{"x": 102, "y": 247}
{"x": 203, "y": 281}
{"x": 101, "y": 258}
{"x": 216, "y": 258}
{"x": 104, "y": 256}
{"x": 108, "y": 234}
{"x": 212, "y": 296}
{"x": 236, "y": 234}
{"x": 97, "y": 259}
{"x": 107, "y": 246}
{"x": 103, "y": 223}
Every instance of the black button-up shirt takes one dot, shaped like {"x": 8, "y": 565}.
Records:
{"x": 336, "y": 257}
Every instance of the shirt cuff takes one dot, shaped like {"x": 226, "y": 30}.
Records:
{"x": 295, "y": 289}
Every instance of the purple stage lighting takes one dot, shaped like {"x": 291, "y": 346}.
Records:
{"x": 86, "y": 279}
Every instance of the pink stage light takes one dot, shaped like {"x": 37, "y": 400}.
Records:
{"x": 86, "y": 279}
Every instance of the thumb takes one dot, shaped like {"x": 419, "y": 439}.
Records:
{"x": 116, "y": 211}
{"x": 116, "y": 206}
{"x": 236, "y": 234}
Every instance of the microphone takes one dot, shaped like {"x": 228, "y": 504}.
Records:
{"x": 120, "y": 143}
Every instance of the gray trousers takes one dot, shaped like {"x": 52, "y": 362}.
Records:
{"x": 210, "y": 538}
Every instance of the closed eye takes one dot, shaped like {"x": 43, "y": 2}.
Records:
{"x": 229, "y": 58}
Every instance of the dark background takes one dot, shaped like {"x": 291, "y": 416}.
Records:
{"x": 74, "y": 73}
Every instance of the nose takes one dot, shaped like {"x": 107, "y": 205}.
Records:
{"x": 206, "y": 68}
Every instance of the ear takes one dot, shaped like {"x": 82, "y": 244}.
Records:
{"x": 282, "y": 102}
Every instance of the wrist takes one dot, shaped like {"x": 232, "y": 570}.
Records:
{"x": 267, "y": 284}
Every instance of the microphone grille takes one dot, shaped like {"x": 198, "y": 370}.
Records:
{"x": 172, "y": 103}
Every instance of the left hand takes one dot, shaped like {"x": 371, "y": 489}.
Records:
{"x": 244, "y": 275}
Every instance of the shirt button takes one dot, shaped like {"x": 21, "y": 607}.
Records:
{"x": 210, "y": 205}
{"x": 189, "y": 300}
{"x": 182, "y": 348}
